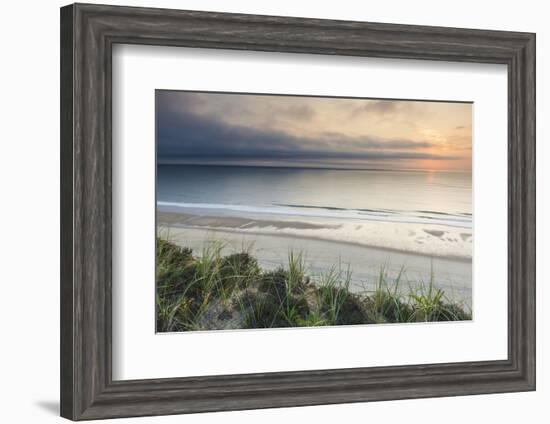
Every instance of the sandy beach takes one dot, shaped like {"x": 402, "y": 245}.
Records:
{"x": 270, "y": 241}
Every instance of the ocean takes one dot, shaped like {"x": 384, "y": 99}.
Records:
{"x": 415, "y": 211}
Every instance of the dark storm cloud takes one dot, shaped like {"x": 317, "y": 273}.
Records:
{"x": 185, "y": 134}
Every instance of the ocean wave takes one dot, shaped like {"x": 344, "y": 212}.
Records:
{"x": 460, "y": 220}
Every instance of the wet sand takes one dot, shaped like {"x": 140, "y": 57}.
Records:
{"x": 185, "y": 219}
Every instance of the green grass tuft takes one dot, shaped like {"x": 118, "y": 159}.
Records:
{"x": 212, "y": 291}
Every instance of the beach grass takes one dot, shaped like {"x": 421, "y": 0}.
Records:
{"x": 212, "y": 291}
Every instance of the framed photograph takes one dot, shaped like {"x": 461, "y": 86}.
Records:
{"x": 263, "y": 211}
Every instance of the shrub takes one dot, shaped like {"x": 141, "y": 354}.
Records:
{"x": 238, "y": 270}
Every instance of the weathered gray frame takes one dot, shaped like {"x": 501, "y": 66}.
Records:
{"x": 88, "y": 33}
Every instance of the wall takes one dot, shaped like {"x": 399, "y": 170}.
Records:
{"x": 29, "y": 179}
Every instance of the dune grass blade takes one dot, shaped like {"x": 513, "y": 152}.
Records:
{"x": 213, "y": 291}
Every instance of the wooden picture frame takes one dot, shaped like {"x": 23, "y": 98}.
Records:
{"x": 88, "y": 33}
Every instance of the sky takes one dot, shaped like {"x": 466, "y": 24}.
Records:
{"x": 270, "y": 130}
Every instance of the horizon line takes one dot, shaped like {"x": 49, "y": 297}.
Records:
{"x": 331, "y": 168}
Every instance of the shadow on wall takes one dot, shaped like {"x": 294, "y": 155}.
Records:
{"x": 51, "y": 406}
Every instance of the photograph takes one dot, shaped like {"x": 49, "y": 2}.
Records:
{"x": 301, "y": 211}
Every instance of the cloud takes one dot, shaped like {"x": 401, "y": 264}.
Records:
{"x": 299, "y": 111}
{"x": 183, "y": 133}
{"x": 386, "y": 109}
{"x": 380, "y": 107}
{"x": 374, "y": 142}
